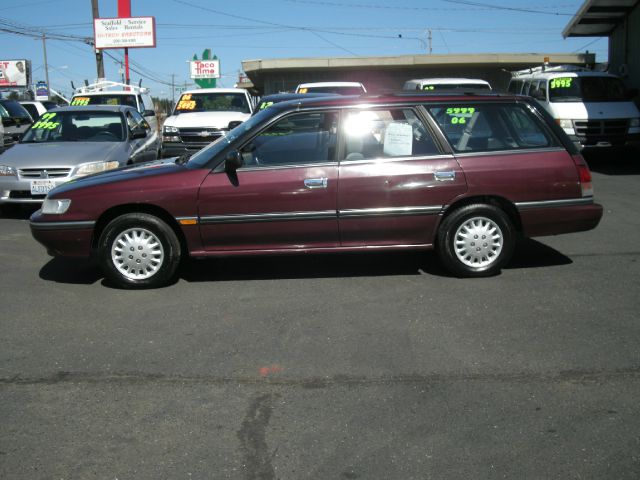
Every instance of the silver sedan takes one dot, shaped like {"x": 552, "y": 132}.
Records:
{"x": 72, "y": 142}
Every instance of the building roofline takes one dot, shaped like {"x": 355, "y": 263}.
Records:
{"x": 410, "y": 61}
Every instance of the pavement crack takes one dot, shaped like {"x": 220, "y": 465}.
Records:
{"x": 253, "y": 439}
{"x": 128, "y": 378}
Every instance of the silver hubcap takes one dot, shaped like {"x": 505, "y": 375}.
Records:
{"x": 137, "y": 253}
{"x": 478, "y": 242}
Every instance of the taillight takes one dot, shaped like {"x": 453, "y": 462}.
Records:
{"x": 584, "y": 176}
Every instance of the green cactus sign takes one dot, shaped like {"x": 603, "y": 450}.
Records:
{"x": 205, "y": 71}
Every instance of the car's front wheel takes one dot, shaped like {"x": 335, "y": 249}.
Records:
{"x": 138, "y": 250}
{"x": 475, "y": 240}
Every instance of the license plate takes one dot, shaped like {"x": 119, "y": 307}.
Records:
{"x": 42, "y": 187}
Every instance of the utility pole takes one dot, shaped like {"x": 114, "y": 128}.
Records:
{"x": 46, "y": 66}
{"x": 173, "y": 90}
{"x": 99, "y": 61}
{"x": 430, "y": 49}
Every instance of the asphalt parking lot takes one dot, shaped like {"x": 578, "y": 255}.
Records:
{"x": 362, "y": 366}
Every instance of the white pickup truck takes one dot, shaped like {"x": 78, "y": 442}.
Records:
{"x": 202, "y": 116}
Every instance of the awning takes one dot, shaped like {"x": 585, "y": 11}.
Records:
{"x": 598, "y": 18}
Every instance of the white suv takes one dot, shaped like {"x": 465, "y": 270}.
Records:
{"x": 202, "y": 116}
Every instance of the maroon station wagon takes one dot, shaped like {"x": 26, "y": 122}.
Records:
{"x": 464, "y": 174}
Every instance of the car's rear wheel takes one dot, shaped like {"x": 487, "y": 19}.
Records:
{"x": 475, "y": 240}
{"x": 138, "y": 250}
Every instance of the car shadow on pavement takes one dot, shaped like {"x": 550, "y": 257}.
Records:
{"x": 615, "y": 162}
{"x": 77, "y": 271}
{"x": 528, "y": 254}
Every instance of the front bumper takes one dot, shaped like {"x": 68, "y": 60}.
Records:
{"x": 65, "y": 239}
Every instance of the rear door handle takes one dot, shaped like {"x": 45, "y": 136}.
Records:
{"x": 316, "y": 182}
{"x": 445, "y": 176}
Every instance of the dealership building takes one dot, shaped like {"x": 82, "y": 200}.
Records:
{"x": 389, "y": 73}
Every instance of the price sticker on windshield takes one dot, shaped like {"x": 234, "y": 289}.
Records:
{"x": 264, "y": 105}
{"x": 429, "y": 87}
{"x": 186, "y": 103}
{"x": 46, "y": 122}
{"x": 564, "y": 82}
{"x": 80, "y": 101}
{"x": 459, "y": 115}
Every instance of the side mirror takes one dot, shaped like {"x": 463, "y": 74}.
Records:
{"x": 149, "y": 113}
{"x": 233, "y": 161}
{"x": 233, "y": 124}
{"x": 138, "y": 133}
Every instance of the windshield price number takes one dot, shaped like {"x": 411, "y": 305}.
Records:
{"x": 459, "y": 115}
{"x": 42, "y": 187}
{"x": 46, "y": 122}
{"x": 561, "y": 83}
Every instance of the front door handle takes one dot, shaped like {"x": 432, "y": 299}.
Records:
{"x": 316, "y": 182}
{"x": 445, "y": 176}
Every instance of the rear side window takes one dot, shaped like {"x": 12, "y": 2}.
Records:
{"x": 491, "y": 127}
{"x": 385, "y": 133}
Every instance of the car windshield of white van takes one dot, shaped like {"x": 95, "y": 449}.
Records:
{"x": 453, "y": 86}
{"x": 104, "y": 99}
{"x": 340, "y": 90}
{"x": 587, "y": 89}
{"x": 212, "y": 102}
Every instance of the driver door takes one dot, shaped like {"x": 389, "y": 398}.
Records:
{"x": 283, "y": 197}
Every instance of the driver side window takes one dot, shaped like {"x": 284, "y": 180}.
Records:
{"x": 297, "y": 139}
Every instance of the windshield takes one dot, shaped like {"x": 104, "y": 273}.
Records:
{"x": 76, "y": 126}
{"x": 455, "y": 86}
{"x": 106, "y": 99}
{"x": 587, "y": 89}
{"x": 205, "y": 155}
{"x": 338, "y": 90}
{"x": 212, "y": 102}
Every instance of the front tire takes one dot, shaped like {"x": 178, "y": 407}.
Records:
{"x": 138, "y": 250}
{"x": 475, "y": 241}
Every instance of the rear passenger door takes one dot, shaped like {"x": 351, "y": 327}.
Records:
{"x": 394, "y": 180}
{"x": 506, "y": 150}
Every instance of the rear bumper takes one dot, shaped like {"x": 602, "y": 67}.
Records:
{"x": 65, "y": 239}
{"x": 557, "y": 219}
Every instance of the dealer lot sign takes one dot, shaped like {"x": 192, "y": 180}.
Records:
{"x": 130, "y": 32}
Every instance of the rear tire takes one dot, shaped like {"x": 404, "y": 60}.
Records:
{"x": 475, "y": 240}
{"x": 138, "y": 250}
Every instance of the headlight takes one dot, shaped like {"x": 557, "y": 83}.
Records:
{"x": 168, "y": 129}
{"x": 634, "y": 123}
{"x": 565, "y": 123}
{"x": 52, "y": 206}
{"x": 95, "y": 167}
{"x": 7, "y": 171}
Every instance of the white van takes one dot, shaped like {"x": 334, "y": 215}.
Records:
{"x": 435, "y": 84}
{"x": 593, "y": 108}
{"x": 341, "y": 88}
{"x": 203, "y": 115}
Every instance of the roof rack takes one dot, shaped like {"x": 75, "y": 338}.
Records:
{"x": 547, "y": 68}
{"x": 103, "y": 85}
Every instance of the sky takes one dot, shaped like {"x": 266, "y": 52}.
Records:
{"x": 247, "y": 30}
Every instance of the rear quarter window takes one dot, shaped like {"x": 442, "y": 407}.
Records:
{"x": 490, "y": 127}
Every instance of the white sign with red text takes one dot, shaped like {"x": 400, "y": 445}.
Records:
{"x": 205, "y": 68}
{"x": 130, "y": 32}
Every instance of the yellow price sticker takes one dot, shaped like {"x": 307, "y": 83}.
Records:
{"x": 80, "y": 101}
{"x": 46, "y": 122}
